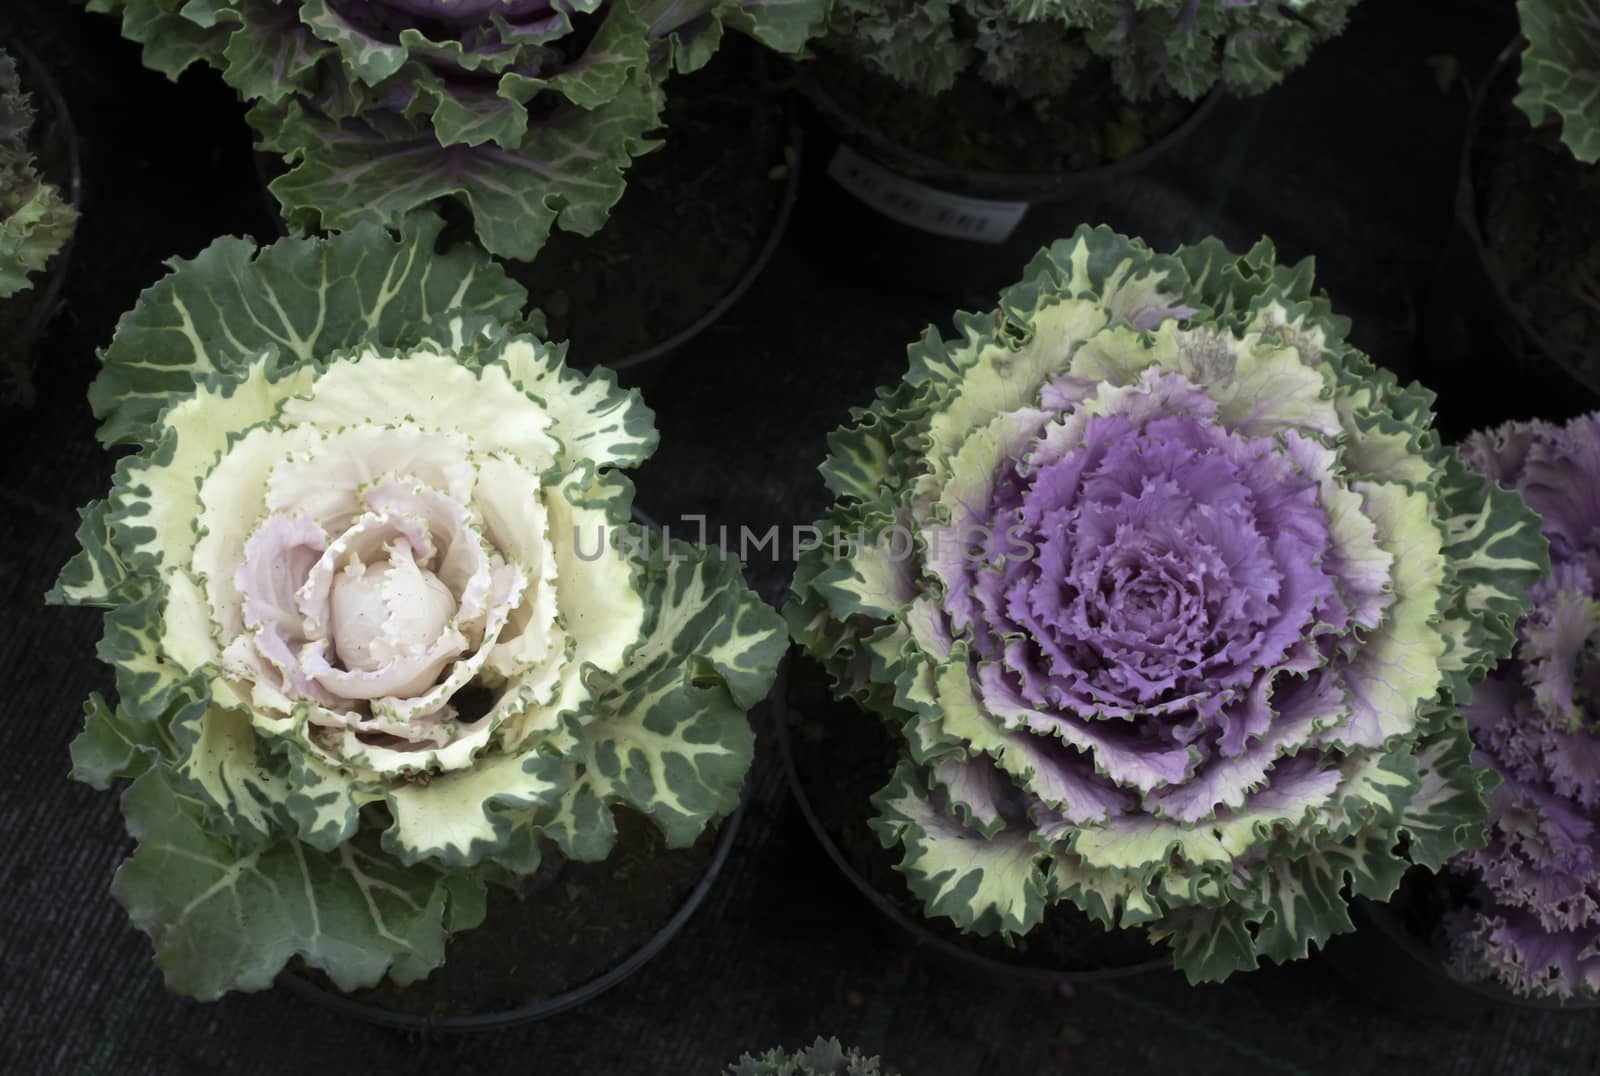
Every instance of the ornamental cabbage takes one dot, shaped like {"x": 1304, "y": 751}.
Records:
{"x": 825, "y": 1057}
{"x": 34, "y": 220}
{"x": 1561, "y": 70}
{"x": 1536, "y": 723}
{"x": 1171, "y": 598}
{"x": 1039, "y": 47}
{"x": 370, "y": 644}
{"x": 527, "y": 111}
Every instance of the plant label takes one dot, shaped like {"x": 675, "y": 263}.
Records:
{"x": 924, "y": 208}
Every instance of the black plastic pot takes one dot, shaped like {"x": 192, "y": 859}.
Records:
{"x": 495, "y": 1021}
{"x": 1480, "y": 354}
{"x": 926, "y": 225}
{"x": 1398, "y": 970}
{"x": 643, "y": 369}
{"x": 954, "y": 955}
{"x": 61, "y": 163}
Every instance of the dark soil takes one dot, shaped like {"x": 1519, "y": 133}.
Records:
{"x": 567, "y": 925}
{"x": 697, "y": 213}
{"x": 842, "y": 756}
{"x": 1425, "y": 900}
{"x": 21, "y": 318}
{"x": 976, "y": 126}
{"x": 1539, "y": 214}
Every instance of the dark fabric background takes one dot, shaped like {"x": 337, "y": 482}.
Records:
{"x": 1353, "y": 159}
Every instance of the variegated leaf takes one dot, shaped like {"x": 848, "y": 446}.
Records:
{"x": 223, "y": 919}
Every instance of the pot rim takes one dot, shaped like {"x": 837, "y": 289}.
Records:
{"x": 1034, "y": 188}
{"x": 1389, "y": 924}
{"x": 920, "y": 934}
{"x": 1466, "y": 209}
{"x": 41, "y": 84}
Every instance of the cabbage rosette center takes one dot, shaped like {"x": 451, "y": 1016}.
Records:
{"x": 1172, "y": 597}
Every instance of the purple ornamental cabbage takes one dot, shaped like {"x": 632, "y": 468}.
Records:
{"x": 1536, "y": 722}
{"x": 527, "y": 111}
{"x": 1172, "y": 598}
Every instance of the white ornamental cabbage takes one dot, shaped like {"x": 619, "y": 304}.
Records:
{"x": 371, "y": 626}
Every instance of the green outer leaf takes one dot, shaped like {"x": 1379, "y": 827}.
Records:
{"x": 1306, "y": 906}
{"x": 131, "y": 643}
{"x": 670, "y": 737}
{"x": 526, "y": 124}
{"x": 592, "y": 418}
{"x": 617, "y": 53}
{"x": 1447, "y": 814}
{"x": 694, "y": 29}
{"x": 31, "y": 235}
{"x": 171, "y": 42}
{"x": 265, "y": 56}
{"x": 109, "y": 747}
{"x": 221, "y": 763}
{"x": 456, "y": 819}
{"x": 305, "y": 297}
{"x": 1110, "y": 899}
{"x": 1561, "y": 70}
{"x": 370, "y": 59}
{"x": 221, "y": 920}
{"x": 95, "y": 575}
{"x": 982, "y": 884}
{"x": 1497, "y": 552}
{"x": 469, "y": 901}
{"x": 1208, "y": 944}
{"x": 567, "y": 169}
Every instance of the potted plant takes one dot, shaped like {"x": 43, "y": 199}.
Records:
{"x": 950, "y": 128}
{"x": 388, "y": 651}
{"x": 1168, "y": 598}
{"x": 517, "y": 117}
{"x": 1516, "y": 306}
{"x": 825, "y": 1057}
{"x": 1519, "y": 918}
{"x": 39, "y": 183}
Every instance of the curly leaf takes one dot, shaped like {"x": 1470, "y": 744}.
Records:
{"x": 461, "y": 818}
{"x": 306, "y": 299}
{"x": 31, "y": 235}
{"x": 1561, "y": 70}
{"x": 567, "y": 169}
{"x": 825, "y": 1057}
{"x": 96, "y": 575}
{"x": 1208, "y": 944}
{"x": 1498, "y": 553}
{"x": 110, "y": 746}
{"x": 1447, "y": 814}
{"x": 223, "y": 920}
{"x": 670, "y": 737}
{"x": 983, "y": 884}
